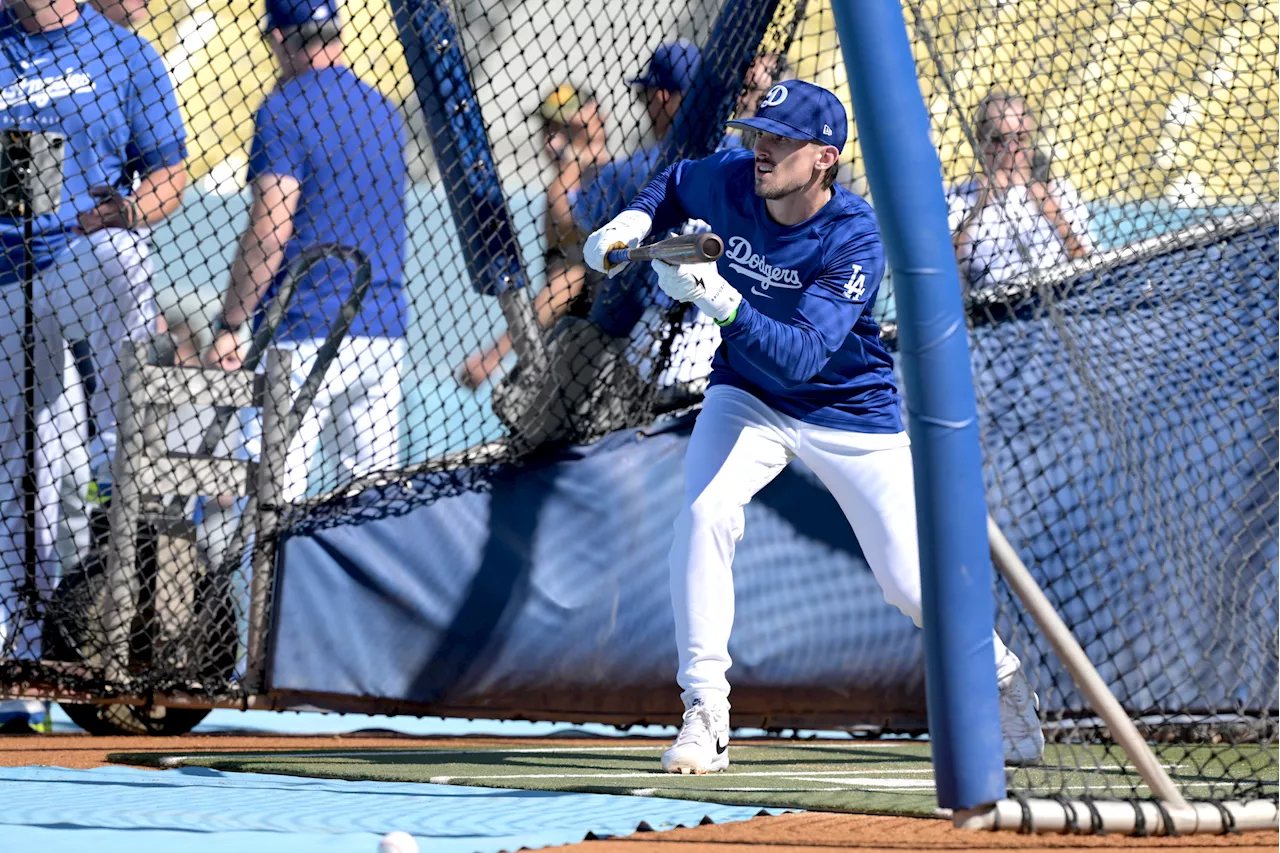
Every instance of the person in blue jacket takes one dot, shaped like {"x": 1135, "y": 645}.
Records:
{"x": 800, "y": 373}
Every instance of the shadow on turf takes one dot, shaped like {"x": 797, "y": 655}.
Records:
{"x": 746, "y": 756}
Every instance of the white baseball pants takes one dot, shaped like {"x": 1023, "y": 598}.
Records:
{"x": 351, "y": 429}
{"x": 738, "y": 446}
{"x": 355, "y": 417}
{"x": 98, "y": 289}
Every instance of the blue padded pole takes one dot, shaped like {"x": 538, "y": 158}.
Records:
{"x": 443, "y": 83}
{"x": 490, "y": 249}
{"x": 955, "y": 564}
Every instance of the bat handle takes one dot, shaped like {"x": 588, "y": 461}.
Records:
{"x": 614, "y": 257}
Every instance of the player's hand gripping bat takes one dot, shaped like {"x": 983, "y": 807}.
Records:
{"x": 686, "y": 249}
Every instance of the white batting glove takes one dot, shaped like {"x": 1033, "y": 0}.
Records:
{"x": 624, "y": 231}
{"x": 702, "y": 285}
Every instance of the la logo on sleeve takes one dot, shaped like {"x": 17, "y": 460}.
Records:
{"x": 857, "y": 285}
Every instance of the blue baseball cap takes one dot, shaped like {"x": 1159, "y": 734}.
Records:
{"x": 799, "y": 110}
{"x": 672, "y": 68}
{"x": 295, "y": 13}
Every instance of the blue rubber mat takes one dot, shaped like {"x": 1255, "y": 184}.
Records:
{"x": 192, "y": 810}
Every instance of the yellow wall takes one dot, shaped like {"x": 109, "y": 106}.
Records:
{"x": 1133, "y": 98}
{"x": 223, "y": 68}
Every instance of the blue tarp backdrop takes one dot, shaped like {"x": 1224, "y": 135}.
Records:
{"x": 548, "y": 592}
{"x": 1129, "y": 432}
{"x": 1132, "y": 463}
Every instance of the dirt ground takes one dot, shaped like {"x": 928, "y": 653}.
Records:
{"x": 808, "y": 832}
{"x": 812, "y": 832}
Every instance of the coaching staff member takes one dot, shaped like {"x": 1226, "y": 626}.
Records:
{"x": 326, "y": 166}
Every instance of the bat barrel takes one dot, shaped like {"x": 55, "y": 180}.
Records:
{"x": 710, "y": 246}
{"x": 688, "y": 249}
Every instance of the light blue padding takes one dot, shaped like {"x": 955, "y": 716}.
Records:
{"x": 195, "y": 810}
{"x": 319, "y": 723}
{"x": 322, "y": 723}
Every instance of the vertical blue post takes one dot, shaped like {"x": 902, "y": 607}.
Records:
{"x": 467, "y": 170}
{"x": 955, "y": 563}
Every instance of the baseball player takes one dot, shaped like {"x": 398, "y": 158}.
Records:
{"x": 65, "y": 70}
{"x": 326, "y": 166}
{"x": 801, "y": 373}
{"x": 667, "y": 80}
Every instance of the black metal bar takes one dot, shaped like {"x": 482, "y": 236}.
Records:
{"x": 31, "y": 593}
{"x": 262, "y": 337}
{"x": 337, "y": 332}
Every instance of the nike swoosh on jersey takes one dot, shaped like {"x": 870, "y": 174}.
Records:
{"x": 765, "y": 281}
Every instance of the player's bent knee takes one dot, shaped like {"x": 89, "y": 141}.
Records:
{"x": 708, "y": 514}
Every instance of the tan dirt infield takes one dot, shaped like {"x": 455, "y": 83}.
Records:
{"x": 809, "y": 832}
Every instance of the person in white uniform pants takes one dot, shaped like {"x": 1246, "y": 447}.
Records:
{"x": 67, "y": 71}
{"x": 801, "y": 373}
{"x": 326, "y": 167}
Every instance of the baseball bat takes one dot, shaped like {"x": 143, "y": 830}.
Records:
{"x": 686, "y": 249}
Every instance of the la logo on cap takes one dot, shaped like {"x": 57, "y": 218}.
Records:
{"x": 320, "y": 14}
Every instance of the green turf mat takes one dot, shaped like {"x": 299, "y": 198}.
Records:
{"x": 871, "y": 777}
{"x": 893, "y": 779}
{"x": 1202, "y": 772}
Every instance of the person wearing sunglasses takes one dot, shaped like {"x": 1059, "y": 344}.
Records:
{"x": 1015, "y": 215}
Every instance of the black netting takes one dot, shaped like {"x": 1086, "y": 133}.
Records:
{"x": 1110, "y": 174}
{"x": 1126, "y": 364}
{"x": 462, "y": 165}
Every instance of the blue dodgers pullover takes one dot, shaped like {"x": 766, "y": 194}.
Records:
{"x": 106, "y": 92}
{"x": 802, "y": 341}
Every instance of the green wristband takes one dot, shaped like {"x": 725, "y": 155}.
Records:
{"x": 729, "y": 319}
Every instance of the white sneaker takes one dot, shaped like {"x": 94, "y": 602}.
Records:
{"x": 703, "y": 743}
{"x": 1019, "y": 721}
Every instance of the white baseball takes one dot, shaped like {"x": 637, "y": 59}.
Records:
{"x": 397, "y": 842}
